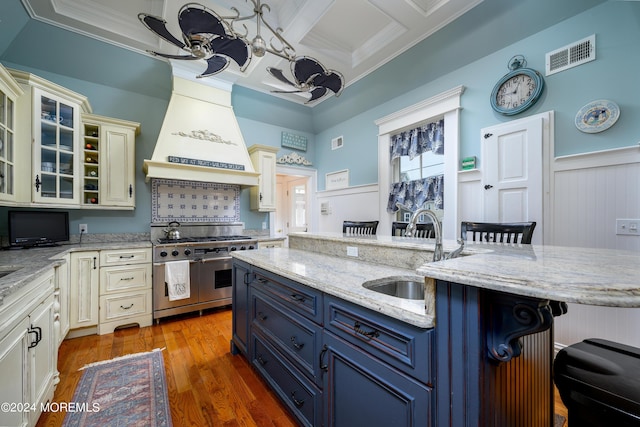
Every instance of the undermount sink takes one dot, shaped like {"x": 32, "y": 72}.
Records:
{"x": 4, "y": 271}
{"x": 401, "y": 287}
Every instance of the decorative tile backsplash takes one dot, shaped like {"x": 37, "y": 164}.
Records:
{"x": 194, "y": 202}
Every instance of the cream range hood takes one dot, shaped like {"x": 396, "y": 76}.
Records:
{"x": 200, "y": 139}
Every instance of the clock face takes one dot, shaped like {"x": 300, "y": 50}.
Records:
{"x": 517, "y": 91}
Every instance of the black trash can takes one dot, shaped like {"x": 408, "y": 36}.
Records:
{"x": 599, "y": 383}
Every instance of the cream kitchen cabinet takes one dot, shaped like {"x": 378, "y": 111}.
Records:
{"x": 125, "y": 288}
{"x": 48, "y": 132}
{"x": 61, "y": 300}
{"x": 28, "y": 352}
{"x": 108, "y": 162}
{"x": 84, "y": 288}
{"x": 263, "y": 196}
{"x": 10, "y": 91}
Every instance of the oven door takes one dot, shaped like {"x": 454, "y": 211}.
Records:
{"x": 161, "y": 293}
{"x": 215, "y": 279}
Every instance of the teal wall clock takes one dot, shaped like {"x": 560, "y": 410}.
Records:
{"x": 517, "y": 90}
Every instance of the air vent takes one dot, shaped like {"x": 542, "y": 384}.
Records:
{"x": 571, "y": 55}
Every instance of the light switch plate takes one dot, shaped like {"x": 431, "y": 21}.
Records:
{"x": 628, "y": 227}
{"x": 352, "y": 250}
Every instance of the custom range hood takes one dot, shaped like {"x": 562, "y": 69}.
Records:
{"x": 200, "y": 139}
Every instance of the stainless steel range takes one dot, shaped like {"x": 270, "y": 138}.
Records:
{"x": 209, "y": 256}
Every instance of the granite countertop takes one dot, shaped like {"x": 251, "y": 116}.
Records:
{"x": 343, "y": 278}
{"x": 30, "y": 263}
{"x": 578, "y": 275}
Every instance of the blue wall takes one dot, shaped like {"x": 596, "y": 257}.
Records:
{"x": 473, "y": 51}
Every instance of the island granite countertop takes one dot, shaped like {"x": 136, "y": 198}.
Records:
{"x": 343, "y": 277}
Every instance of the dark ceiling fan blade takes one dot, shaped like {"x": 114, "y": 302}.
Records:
{"x": 288, "y": 91}
{"x": 194, "y": 20}
{"x": 277, "y": 73}
{"x": 332, "y": 81}
{"x": 159, "y": 26}
{"x": 304, "y": 68}
{"x": 234, "y": 48}
{"x": 215, "y": 64}
{"x": 316, "y": 93}
{"x": 164, "y": 55}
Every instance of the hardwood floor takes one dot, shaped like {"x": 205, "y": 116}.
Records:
{"x": 208, "y": 386}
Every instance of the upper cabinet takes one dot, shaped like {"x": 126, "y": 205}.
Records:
{"x": 67, "y": 156}
{"x": 108, "y": 162}
{"x": 48, "y": 140}
{"x": 263, "y": 197}
{"x": 9, "y": 93}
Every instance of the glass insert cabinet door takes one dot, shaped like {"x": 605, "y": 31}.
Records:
{"x": 55, "y": 150}
{"x": 6, "y": 146}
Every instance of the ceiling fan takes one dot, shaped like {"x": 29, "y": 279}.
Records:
{"x": 209, "y": 36}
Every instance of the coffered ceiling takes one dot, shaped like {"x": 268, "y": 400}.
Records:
{"x": 353, "y": 37}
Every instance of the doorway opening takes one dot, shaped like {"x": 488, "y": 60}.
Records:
{"x": 293, "y": 204}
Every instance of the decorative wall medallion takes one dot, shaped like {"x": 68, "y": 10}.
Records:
{"x": 204, "y": 135}
{"x": 194, "y": 202}
{"x": 597, "y": 116}
{"x": 294, "y": 159}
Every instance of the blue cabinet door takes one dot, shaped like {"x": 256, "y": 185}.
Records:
{"x": 241, "y": 277}
{"x": 362, "y": 391}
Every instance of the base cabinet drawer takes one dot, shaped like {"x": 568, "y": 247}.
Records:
{"x": 406, "y": 347}
{"x": 125, "y": 256}
{"x": 125, "y": 278}
{"x": 293, "y": 335}
{"x": 302, "y": 397}
{"x": 122, "y": 305}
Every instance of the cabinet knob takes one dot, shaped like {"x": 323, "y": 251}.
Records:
{"x": 38, "y": 183}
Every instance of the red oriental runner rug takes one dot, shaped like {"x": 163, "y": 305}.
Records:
{"x": 125, "y": 391}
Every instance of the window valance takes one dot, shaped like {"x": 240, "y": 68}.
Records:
{"x": 412, "y": 143}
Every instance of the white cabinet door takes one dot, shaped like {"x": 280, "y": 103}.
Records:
{"x": 263, "y": 197}
{"x": 42, "y": 355}
{"x": 512, "y": 172}
{"x": 84, "y": 289}
{"x": 61, "y": 295}
{"x": 55, "y": 153}
{"x": 9, "y": 93}
{"x": 117, "y": 151}
{"x": 13, "y": 371}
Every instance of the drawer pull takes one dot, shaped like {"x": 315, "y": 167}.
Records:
{"x": 126, "y": 278}
{"x": 126, "y": 308}
{"x": 262, "y": 280}
{"x": 296, "y": 402}
{"x": 261, "y": 360}
{"x": 126, "y": 257}
{"x": 323, "y": 366}
{"x": 262, "y": 316}
{"x": 298, "y": 298}
{"x": 372, "y": 334}
{"x": 296, "y": 344}
{"x": 38, "y": 331}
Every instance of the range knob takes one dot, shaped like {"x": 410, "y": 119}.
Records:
{"x": 163, "y": 253}
{"x": 242, "y": 248}
{"x": 233, "y": 248}
{"x": 251, "y": 247}
{"x": 187, "y": 251}
{"x": 175, "y": 252}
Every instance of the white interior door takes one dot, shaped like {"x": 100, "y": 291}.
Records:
{"x": 512, "y": 173}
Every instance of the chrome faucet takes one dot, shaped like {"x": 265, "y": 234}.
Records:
{"x": 438, "y": 252}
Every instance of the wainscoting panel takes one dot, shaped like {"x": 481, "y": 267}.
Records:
{"x": 358, "y": 203}
{"x": 590, "y": 192}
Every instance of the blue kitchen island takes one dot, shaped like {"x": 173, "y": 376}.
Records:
{"x": 476, "y": 351}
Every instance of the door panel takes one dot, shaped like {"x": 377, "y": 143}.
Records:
{"x": 512, "y": 173}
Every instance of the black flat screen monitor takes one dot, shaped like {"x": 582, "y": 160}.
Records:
{"x": 37, "y": 228}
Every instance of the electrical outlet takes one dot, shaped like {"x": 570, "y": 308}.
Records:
{"x": 628, "y": 227}
{"x": 352, "y": 251}
{"x": 84, "y": 229}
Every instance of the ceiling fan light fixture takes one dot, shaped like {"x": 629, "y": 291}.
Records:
{"x": 212, "y": 37}
{"x": 258, "y": 46}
